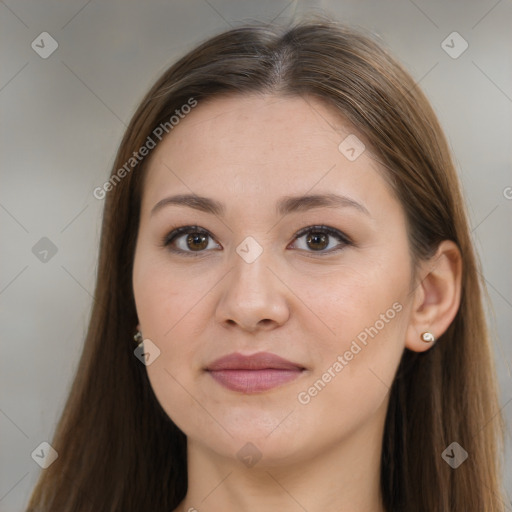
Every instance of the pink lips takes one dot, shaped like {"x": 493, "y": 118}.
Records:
{"x": 253, "y": 374}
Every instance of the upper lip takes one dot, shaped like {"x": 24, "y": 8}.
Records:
{"x": 259, "y": 361}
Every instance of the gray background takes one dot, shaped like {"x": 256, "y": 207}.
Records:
{"x": 63, "y": 118}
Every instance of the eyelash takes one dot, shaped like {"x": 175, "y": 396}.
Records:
{"x": 174, "y": 234}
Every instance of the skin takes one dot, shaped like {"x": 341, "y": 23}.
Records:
{"x": 302, "y": 304}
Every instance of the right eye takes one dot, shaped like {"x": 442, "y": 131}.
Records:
{"x": 190, "y": 240}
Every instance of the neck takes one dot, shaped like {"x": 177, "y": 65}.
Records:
{"x": 343, "y": 478}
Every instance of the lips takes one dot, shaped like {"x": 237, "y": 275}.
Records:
{"x": 255, "y": 373}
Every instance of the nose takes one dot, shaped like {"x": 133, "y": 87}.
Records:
{"x": 253, "y": 296}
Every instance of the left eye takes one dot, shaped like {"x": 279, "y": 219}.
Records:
{"x": 317, "y": 238}
{"x": 192, "y": 240}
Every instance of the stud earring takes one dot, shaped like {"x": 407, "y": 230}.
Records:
{"x": 427, "y": 337}
{"x": 138, "y": 338}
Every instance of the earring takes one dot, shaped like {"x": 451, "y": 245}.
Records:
{"x": 138, "y": 338}
{"x": 427, "y": 337}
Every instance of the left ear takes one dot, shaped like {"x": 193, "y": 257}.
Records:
{"x": 437, "y": 297}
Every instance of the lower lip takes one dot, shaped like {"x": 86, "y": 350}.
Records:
{"x": 254, "y": 381}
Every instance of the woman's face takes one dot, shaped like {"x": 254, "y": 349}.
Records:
{"x": 322, "y": 284}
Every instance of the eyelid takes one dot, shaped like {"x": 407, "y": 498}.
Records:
{"x": 330, "y": 231}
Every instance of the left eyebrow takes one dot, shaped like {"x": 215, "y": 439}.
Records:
{"x": 285, "y": 206}
{"x": 290, "y": 204}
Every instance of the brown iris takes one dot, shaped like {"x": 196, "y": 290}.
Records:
{"x": 197, "y": 238}
{"x": 317, "y": 238}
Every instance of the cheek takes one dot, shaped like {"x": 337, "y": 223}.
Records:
{"x": 168, "y": 312}
{"x": 352, "y": 300}
{"x": 356, "y": 368}
{"x": 171, "y": 310}
{"x": 165, "y": 295}
{"x": 357, "y": 357}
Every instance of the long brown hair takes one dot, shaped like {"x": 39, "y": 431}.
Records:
{"x": 119, "y": 451}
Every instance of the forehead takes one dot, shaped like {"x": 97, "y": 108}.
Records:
{"x": 256, "y": 123}
{"x": 258, "y": 147}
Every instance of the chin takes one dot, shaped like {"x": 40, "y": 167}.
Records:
{"x": 256, "y": 445}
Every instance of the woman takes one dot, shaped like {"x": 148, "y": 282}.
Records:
{"x": 285, "y": 240}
